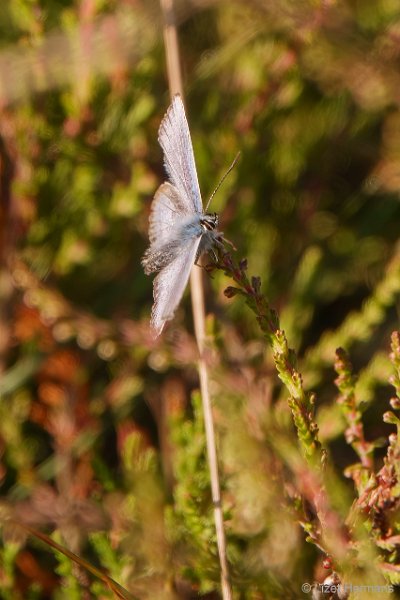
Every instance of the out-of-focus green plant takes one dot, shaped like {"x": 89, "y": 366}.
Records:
{"x": 101, "y": 439}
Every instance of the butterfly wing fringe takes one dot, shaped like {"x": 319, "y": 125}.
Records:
{"x": 157, "y": 256}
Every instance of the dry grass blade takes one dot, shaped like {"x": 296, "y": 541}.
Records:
{"x": 117, "y": 589}
{"x": 197, "y": 294}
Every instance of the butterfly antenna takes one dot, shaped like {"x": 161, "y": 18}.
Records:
{"x": 222, "y": 180}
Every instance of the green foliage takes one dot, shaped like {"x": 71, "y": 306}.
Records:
{"x": 9, "y": 553}
{"x": 102, "y": 440}
{"x": 73, "y": 583}
{"x": 190, "y": 519}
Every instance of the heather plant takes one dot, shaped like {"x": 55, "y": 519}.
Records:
{"x": 105, "y": 484}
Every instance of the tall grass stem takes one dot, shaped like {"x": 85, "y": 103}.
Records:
{"x": 197, "y": 295}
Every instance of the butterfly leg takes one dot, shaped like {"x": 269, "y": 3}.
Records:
{"x": 197, "y": 264}
{"x": 226, "y": 241}
{"x": 208, "y": 267}
{"x": 214, "y": 254}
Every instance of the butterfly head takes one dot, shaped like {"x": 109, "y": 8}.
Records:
{"x": 209, "y": 221}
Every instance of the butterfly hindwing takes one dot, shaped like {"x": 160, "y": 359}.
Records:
{"x": 167, "y": 208}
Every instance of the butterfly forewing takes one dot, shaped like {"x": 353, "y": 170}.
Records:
{"x": 170, "y": 284}
{"x": 174, "y": 138}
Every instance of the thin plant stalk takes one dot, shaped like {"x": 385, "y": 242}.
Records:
{"x": 118, "y": 590}
{"x": 197, "y": 296}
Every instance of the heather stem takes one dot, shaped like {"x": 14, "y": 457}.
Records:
{"x": 301, "y": 402}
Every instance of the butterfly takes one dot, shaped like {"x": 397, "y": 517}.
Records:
{"x": 179, "y": 230}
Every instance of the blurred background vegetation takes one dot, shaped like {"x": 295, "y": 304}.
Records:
{"x": 101, "y": 435}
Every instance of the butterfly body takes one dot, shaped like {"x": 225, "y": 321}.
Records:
{"x": 179, "y": 230}
{"x": 189, "y": 228}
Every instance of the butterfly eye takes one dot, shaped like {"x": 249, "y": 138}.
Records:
{"x": 209, "y": 221}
